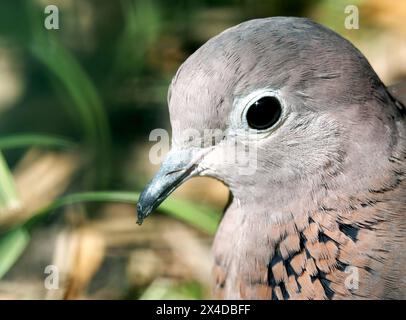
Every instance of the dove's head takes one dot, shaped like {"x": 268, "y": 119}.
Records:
{"x": 281, "y": 110}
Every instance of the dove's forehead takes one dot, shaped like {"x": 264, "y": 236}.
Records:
{"x": 271, "y": 53}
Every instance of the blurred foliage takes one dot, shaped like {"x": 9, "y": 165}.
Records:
{"x": 165, "y": 289}
{"x": 200, "y": 217}
{"x": 12, "y": 245}
{"x": 33, "y": 140}
{"x": 8, "y": 193}
{"x": 96, "y": 87}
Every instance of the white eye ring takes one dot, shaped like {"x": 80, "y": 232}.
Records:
{"x": 241, "y": 106}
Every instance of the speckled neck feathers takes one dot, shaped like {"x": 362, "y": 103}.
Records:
{"x": 314, "y": 257}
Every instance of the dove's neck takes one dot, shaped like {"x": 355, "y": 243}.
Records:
{"x": 326, "y": 253}
{"x": 304, "y": 239}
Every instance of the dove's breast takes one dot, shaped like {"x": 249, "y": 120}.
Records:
{"x": 359, "y": 253}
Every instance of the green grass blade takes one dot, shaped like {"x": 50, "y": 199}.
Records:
{"x": 8, "y": 193}
{"x": 202, "y": 218}
{"x": 196, "y": 215}
{"x": 31, "y": 139}
{"x": 86, "y": 101}
{"x": 79, "y": 86}
{"x": 165, "y": 289}
{"x": 12, "y": 245}
{"x": 142, "y": 21}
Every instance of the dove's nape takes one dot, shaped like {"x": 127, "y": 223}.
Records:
{"x": 322, "y": 216}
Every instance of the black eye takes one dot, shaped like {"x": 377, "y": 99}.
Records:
{"x": 264, "y": 113}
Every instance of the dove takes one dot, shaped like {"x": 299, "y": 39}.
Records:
{"x": 317, "y": 210}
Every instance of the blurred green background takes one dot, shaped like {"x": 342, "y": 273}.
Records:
{"x": 77, "y": 105}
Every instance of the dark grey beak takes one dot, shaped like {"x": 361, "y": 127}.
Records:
{"x": 178, "y": 166}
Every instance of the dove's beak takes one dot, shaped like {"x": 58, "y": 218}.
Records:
{"x": 178, "y": 166}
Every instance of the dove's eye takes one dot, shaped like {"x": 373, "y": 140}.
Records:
{"x": 264, "y": 113}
